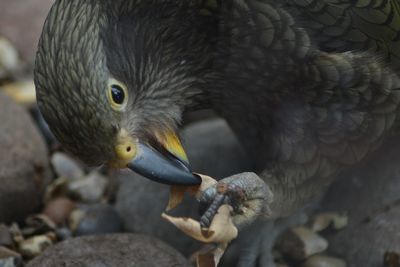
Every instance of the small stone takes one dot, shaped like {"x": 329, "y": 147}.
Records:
{"x": 63, "y": 233}
{"x": 21, "y": 92}
{"x": 16, "y": 233}
{"x": 300, "y": 243}
{"x": 34, "y": 246}
{"x": 58, "y": 188}
{"x": 89, "y": 189}
{"x": 95, "y": 219}
{"x": 323, "y": 220}
{"x": 37, "y": 225}
{"x": 128, "y": 250}
{"x": 10, "y": 262}
{"x": 6, "y": 238}
{"x": 9, "y": 58}
{"x": 66, "y": 167}
{"x": 9, "y": 258}
{"x": 6, "y": 253}
{"x": 58, "y": 210}
{"x": 323, "y": 261}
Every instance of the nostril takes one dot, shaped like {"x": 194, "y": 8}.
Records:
{"x": 128, "y": 149}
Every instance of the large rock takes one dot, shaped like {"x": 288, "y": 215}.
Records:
{"x": 24, "y": 167}
{"x": 213, "y": 150}
{"x": 370, "y": 195}
{"x": 21, "y": 21}
{"x": 126, "y": 250}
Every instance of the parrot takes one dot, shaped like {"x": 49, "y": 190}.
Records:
{"x": 309, "y": 87}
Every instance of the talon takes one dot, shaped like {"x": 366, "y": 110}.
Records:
{"x": 206, "y": 218}
{"x": 226, "y": 193}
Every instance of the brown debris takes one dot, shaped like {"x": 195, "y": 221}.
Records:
{"x": 391, "y": 259}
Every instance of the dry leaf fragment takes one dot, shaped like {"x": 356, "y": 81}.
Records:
{"x": 221, "y": 231}
{"x": 210, "y": 258}
{"x": 177, "y": 192}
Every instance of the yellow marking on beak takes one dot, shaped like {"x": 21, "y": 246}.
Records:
{"x": 172, "y": 143}
{"x": 125, "y": 150}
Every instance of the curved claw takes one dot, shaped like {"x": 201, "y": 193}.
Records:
{"x": 165, "y": 169}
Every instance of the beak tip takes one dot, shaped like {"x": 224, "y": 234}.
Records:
{"x": 154, "y": 166}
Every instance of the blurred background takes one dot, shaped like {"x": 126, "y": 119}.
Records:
{"x": 47, "y": 197}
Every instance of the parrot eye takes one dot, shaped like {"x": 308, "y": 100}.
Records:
{"x": 117, "y": 95}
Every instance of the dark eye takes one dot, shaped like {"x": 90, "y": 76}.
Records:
{"x": 117, "y": 94}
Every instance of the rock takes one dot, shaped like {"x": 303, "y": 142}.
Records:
{"x": 22, "y": 92}
{"x": 6, "y": 238}
{"x": 300, "y": 243}
{"x": 58, "y": 188}
{"x": 213, "y": 150}
{"x": 22, "y": 22}
{"x": 323, "y": 261}
{"x": 95, "y": 219}
{"x": 126, "y": 250}
{"x": 24, "y": 169}
{"x": 9, "y": 59}
{"x": 9, "y": 258}
{"x": 7, "y": 253}
{"x": 38, "y": 224}
{"x": 369, "y": 194}
{"x": 89, "y": 189}
{"x": 322, "y": 221}
{"x": 66, "y": 167}
{"x": 63, "y": 233}
{"x": 34, "y": 246}
{"x": 58, "y": 210}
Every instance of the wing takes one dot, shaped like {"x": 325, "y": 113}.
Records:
{"x": 342, "y": 25}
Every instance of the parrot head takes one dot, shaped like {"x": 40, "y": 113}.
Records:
{"x": 113, "y": 80}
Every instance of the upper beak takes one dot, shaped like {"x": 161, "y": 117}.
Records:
{"x": 162, "y": 168}
{"x": 167, "y": 165}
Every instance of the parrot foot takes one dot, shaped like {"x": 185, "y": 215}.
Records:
{"x": 248, "y": 195}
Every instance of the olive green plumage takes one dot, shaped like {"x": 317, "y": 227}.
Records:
{"x": 309, "y": 86}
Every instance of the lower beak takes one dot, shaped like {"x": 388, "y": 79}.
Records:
{"x": 165, "y": 168}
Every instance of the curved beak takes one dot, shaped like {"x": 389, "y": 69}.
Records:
{"x": 165, "y": 162}
{"x": 165, "y": 168}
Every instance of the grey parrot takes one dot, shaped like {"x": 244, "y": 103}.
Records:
{"x": 309, "y": 87}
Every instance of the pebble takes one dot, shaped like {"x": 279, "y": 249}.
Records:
{"x": 34, "y": 246}
{"x": 323, "y": 261}
{"x": 22, "y": 92}
{"x": 9, "y": 258}
{"x": 59, "y": 209}
{"x": 25, "y": 171}
{"x": 300, "y": 243}
{"x": 323, "y": 220}
{"x": 37, "y": 225}
{"x": 6, "y": 238}
{"x": 128, "y": 250}
{"x": 22, "y": 22}
{"x": 63, "y": 233}
{"x": 66, "y": 167}
{"x": 89, "y": 189}
{"x": 58, "y": 188}
{"x": 95, "y": 219}
{"x": 9, "y": 58}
